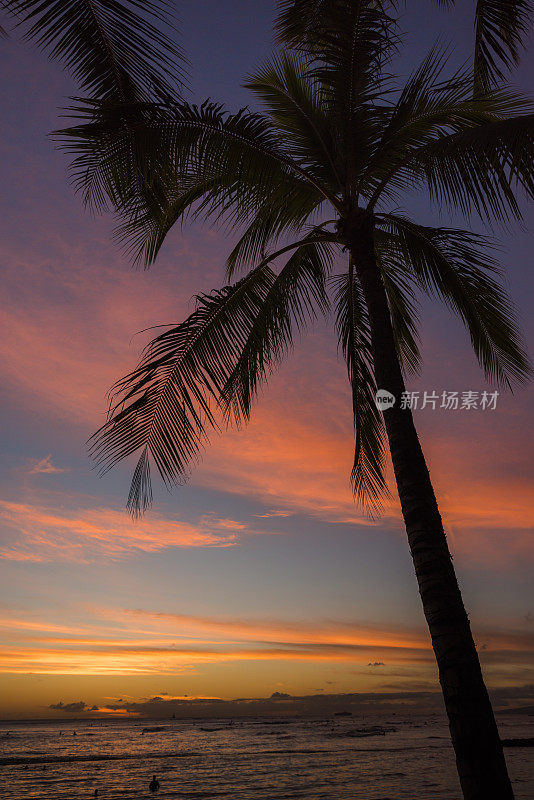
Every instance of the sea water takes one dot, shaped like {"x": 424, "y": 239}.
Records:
{"x": 335, "y": 758}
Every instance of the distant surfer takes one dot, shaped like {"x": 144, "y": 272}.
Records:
{"x": 154, "y": 784}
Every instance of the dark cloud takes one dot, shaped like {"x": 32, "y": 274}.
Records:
{"x": 395, "y": 701}
{"x": 72, "y": 708}
{"x": 423, "y": 700}
{"x": 282, "y": 704}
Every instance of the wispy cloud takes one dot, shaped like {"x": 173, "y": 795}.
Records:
{"x": 44, "y": 466}
{"x": 85, "y": 534}
{"x": 305, "y": 464}
{"x": 143, "y": 642}
{"x": 277, "y": 631}
{"x": 270, "y": 514}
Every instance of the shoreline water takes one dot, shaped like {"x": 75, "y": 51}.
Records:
{"x": 322, "y": 758}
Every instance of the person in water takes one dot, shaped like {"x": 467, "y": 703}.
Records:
{"x": 154, "y": 784}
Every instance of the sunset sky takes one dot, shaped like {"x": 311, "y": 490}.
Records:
{"x": 260, "y": 575}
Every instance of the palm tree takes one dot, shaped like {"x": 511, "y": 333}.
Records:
{"x": 313, "y": 182}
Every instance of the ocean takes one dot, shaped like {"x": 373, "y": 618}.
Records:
{"x": 334, "y": 758}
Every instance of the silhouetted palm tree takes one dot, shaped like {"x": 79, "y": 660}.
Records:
{"x": 311, "y": 182}
{"x": 319, "y": 173}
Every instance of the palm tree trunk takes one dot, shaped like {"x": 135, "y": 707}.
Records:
{"x": 479, "y": 755}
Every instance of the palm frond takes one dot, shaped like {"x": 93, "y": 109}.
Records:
{"x": 367, "y": 476}
{"x": 291, "y": 97}
{"x": 473, "y": 145}
{"x": 166, "y": 407}
{"x": 402, "y": 301}
{"x": 267, "y": 228}
{"x": 458, "y": 266}
{"x": 146, "y": 223}
{"x": 313, "y": 26}
{"x": 480, "y": 169}
{"x": 114, "y": 49}
{"x": 427, "y": 105}
{"x": 106, "y": 143}
{"x": 297, "y": 20}
{"x": 501, "y": 29}
{"x": 292, "y": 301}
{"x": 162, "y": 147}
{"x": 347, "y": 44}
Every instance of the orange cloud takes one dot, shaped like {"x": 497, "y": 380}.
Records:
{"x": 122, "y": 660}
{"x": 176, "y": 642}
{"x": 301, "y": 466}
{"x": 304, "y": 464}
{"x": 277, "y": 631}
{"x": 44, "y": 534}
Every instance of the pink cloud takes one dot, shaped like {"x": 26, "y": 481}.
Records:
{"x": 68, "y": 328}
{"x": 84, "y": 534}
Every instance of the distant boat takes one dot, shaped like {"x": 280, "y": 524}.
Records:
{"x": 343, "y": 714}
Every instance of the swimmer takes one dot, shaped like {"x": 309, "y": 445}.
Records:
{"x": 154, "y": 784}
